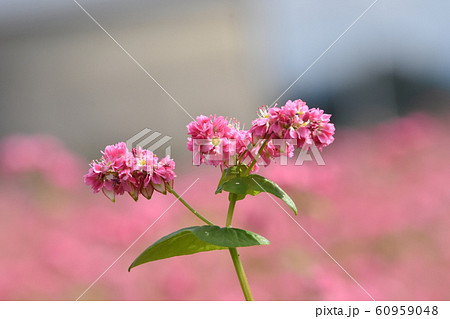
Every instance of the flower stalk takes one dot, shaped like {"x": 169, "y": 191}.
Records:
{"x": 261, "y": 150}
{"x": 172, "y": 191}
{"x": 235, "y": 256}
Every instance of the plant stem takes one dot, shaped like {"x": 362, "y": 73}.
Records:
{"x": 258, "y": 155}
{"x": 231, "y": 209}
{"x": 241, "y": 274}
{"x": 172, "y": 191}
{"x": 235, "y": 256}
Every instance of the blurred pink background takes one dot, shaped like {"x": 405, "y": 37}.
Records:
{"x": 380, "y": 207}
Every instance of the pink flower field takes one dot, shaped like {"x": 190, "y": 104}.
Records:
{"x": 380, "y": 207}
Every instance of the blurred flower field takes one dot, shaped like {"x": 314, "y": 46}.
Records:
{"x": 380, "y": 207}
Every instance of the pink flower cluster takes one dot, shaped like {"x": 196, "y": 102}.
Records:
{"x": 136, "y": 172}
{"x": 213, "y": 140}
{"x": 218, "y": 141}
{"x": 296, "y": 121}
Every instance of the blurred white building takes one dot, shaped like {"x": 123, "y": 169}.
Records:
{"x": 61, "y": 74}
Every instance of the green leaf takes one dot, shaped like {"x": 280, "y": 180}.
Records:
{"x": 255, "y": 184}
{"x": 229, "y": 237}
{"x": 196, "y": 239}
{"x": 229, "y": 174}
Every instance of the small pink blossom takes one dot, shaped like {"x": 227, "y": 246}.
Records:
{"x": 322, "y": 130}
{"x": 213, "y": 139}
{"x": 163, "y": 174}
{"x": 293, "y": 121}
{"x": 117, "y": 156}
{"x": 136, "y": 172}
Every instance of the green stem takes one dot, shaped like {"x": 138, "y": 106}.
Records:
{"x": 235, "y": 256}
{"x": 241, "y": 274}
{"x": 172, "y": 191}
{"x": 258, "y": 155}
{"x": 231, "y": 209}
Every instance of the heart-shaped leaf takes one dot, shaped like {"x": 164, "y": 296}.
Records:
{"x": 253, "y": 185}
{"x": 196, "y": 239}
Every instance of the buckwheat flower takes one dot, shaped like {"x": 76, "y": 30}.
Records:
{"x": 110, "y": 172}
{"x": 142, "y": 172}
{"x": 117, "y": 156}
{"x": 136, "y": 172}
{"x": 322, "y": 130}
{"x": 297, "y": 107}
{"x": 163, "y": 174}
{"x": 209, "y": 127}
{"x": 294, "y": 125}
{"x": 94, "y": 179}
{"x": 114, "y": 185}
{"x": 212, "y": 140}
{"x": 143, "y": 160}
{"x": 243, "y": 140}
{"x": 281, "y": 122}
{"x": 279, "y": 147}
{"x": 260, "y": 126}
{"x": 291, "y": 120}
